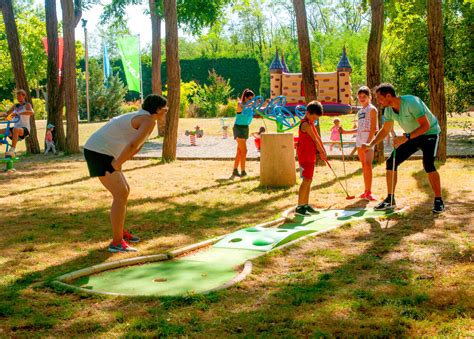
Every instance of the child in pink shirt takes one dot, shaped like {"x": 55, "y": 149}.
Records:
{"x": 48, "y": 139}
{"x": 335, "y": 138}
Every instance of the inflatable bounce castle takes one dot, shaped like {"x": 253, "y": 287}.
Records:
{"x": 333, "y": 89}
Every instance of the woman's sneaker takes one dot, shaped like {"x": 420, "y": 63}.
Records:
{"x": 301, "y": 210}
{"x": 122, "y": 247}
{"x": 311, "y": 210}
{"x": 387, "y": 204}
{"x": 243, "y": 174}
{"x": 438, "y": 206}
{"x": 127, "y": 236}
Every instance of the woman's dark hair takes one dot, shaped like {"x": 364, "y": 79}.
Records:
{"x": 315, "y": 107}
{"x": 365, "y": 90}
{"x": 247, "y": 93}
{"x": 153, "y": 103}
{"x": 385, "y": 89}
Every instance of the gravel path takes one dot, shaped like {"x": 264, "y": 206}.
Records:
{"x": 213, "y": 147}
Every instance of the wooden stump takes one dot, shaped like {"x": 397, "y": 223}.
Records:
{"x": 277, "y": 160}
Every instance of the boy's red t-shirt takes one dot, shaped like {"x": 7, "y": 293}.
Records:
{"x": 306, "y": 146}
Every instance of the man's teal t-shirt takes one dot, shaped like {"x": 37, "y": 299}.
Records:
{"x": 411, "y": 109}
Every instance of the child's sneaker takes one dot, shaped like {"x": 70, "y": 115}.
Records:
{"x": 122, "y": 247}
{"x": 311, "y": 210}
{"x": 386, "y": 204}
{"x": 438, "y": 206}
{"x": 301, "y": 210}
{"x": 243, "y": 174}
{"x": 369, "y": 196}
{"x": 362, "y": 196}
{"x": 127, "y": 236}
{"x": 235, "y": 173}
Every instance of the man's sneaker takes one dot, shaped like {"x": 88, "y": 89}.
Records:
{"x": 387, "y": 204}
{"x": 438, "y": 206}
{"x": 235, "y": 173}
{"x": 369, "y": 196}
{"x": 301, "y": 210}
{"x": 311, "y": 210}
{"x": 127, "y": 236}
{"x": 122, "y": 247}
{"x": 243, "y": 174}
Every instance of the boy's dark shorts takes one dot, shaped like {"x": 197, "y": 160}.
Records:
{"x": 98, "y": 163}
{"x": 25, "y": 133}
{"x": 241, "y": 131}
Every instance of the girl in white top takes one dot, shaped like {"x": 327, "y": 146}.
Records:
{"x": 367, "y": 126}
{"x": 21, "y": 129}
{"x": 109, "y": 148}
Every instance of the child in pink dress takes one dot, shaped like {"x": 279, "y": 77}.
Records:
{"x": 335, "y": 138}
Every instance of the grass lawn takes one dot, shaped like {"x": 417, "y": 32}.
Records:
{"x": 410, "y": 276}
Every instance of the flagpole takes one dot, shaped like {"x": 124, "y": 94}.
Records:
{"x": 140, "y": 69}
{"x": 84, "y": 23}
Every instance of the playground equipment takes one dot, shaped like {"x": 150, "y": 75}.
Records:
{"x": 208, "y": 266}
{"x": 7, "y": 121}
{"x": 333, "y": 88}
{"x": 225, "y": 129}
{"x": 197, "y": 133}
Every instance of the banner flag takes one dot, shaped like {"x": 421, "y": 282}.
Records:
{"x": 60, "y": 52}
{"x": 130, "y": 55}
{"x": 107, "y": 70}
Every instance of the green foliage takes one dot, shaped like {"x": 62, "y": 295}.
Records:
{"x": 105, "y": 101}
{"x": 39, "y": 106}
{"x": 228, "y": 110}
{"x": 31, "y": 28}
{"x": 188, "y": 90}
{"x": 208, "y": 97}
{"x": 130, "y": 106}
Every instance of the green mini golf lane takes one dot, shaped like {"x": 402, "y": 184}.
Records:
{"x": 214, "y": 266}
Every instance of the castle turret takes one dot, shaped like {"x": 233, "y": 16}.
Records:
{"x": 344, "y": 70}
{"x": 276, "y": 70}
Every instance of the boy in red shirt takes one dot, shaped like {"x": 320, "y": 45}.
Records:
{"x": 309, "y": 143}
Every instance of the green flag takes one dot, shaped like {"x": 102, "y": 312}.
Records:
{"x": 130, "y": 54}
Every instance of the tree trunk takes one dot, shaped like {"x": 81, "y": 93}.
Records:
{"x": 14, "y": 48}
{"x": 305, "y": 55}
{"x": 156, "y": 58}
{"x": 436, "y": 58}
{"x": 69, "y": 77}
{"x": 54, "y": 100}
{"x": 373, "y": 62}
{"x": 174, "y": 75}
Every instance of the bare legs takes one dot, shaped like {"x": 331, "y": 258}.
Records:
{"x": 303, "y": 193}
{"x": 366, "y": 157}
{"x": 241, "y": 154}
{"x": 117, "y": 185}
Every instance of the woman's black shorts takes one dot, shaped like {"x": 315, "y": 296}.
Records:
{"x": 98, "y": 163}
{"x": 241, "y": 131}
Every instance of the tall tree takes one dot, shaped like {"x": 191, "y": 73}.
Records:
{"x": 436, "y": 74}
{"x": 55, "y": 95}
{"x": 305, "y": 51}
{"x": 155, "y": 13}
{"x": 14, "y": 47}
{"x": 174, "y": 79}
{"x": 71, "y": 16}
{"x": 373, "y": 61}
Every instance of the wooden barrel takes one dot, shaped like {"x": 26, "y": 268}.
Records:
{"x": 277, "y": 160}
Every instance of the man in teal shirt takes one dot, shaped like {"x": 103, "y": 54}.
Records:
{"x": 421, "y": 133}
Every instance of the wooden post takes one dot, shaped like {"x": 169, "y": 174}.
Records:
{"x": 277, "y": 160}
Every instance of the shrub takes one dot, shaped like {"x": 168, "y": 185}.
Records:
{"x": 228, "y": 110}
{"x": 39, "y": 106}
{"x": 188, "y": 91}
{"x": 130, "y": 106}
{"x": 105, "y": 100}
{"x": 209, "y": 97}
